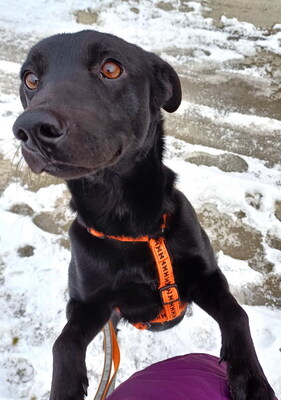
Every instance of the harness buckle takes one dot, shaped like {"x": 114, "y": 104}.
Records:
{"x": 169, "y": 294}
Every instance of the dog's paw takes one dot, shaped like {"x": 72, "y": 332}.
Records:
{"x": 74, "y": 389}
{"x": 69, "y": 380}
{"x": 244, "y": 386}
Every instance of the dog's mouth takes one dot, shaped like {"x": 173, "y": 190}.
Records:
{"x": 39, "y": 162}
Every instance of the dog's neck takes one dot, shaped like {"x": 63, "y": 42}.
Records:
{"x": 128, "y": 201}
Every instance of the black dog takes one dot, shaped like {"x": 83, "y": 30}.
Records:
{"x": 92, "y": 116}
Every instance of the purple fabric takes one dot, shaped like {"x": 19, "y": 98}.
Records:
{"x": 189, "y": 377}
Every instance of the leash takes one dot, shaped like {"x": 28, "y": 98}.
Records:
{"x": 111, "y": 356}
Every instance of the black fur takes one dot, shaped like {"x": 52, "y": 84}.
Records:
{"x": 105, "y": 137}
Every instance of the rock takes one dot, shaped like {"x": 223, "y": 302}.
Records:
{"x": 267, "y": 292}
{"x": 163, "y": 5}
{"x": 13, "y": 172}
{"x": 257, "y": 12}
{"x": 22, "y": 209}
{"x": 254, "y": 200}
{"x": 274, "y": 241}
{"x": 278, "y": 210}
{"x": 64, "y": 243}
{"x": 234, "y": 238}
{"x": 26, "y": 251}
{"x": 86, "y": 17}
{"x": 194, "y": 128}
{"x": 135, "y": 10}
{"x": 184, "y": 6}
{"x": 35, "y": 182}
{"x": 225, "y": 162}
{"x": 52, "y": 222}
{"x": 240, "y": 214}
{"x": 260, "y": 263}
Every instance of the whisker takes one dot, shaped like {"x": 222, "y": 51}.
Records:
{"x": 9, "y": 140}
{"x": 16, "y": 154}
{"x": 5, "y": 155}
{"x": 19, "y": 165}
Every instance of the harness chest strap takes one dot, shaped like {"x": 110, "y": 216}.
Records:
{"x": 172, "y": 306}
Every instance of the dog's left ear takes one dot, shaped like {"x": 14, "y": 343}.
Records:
{"x": 166, "y": 87}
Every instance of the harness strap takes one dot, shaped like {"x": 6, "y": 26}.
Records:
{"x": 172, "y": 306}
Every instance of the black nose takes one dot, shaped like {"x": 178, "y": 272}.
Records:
{"x": 38, "y": 125}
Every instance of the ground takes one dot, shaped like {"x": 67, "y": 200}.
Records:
{"x": 224, "y": 142}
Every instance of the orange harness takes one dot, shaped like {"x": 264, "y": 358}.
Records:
{"x": 172, "y": 306}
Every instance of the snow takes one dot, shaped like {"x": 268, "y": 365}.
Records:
{"x": 33, "y": 290}
{"x": 10, "y": 67}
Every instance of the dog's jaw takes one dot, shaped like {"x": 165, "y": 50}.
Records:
{"x": 39, "y": 162}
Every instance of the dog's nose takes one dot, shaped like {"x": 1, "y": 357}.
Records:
{"x": 39, "y": 125}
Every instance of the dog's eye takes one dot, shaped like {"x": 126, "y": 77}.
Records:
{"x": 111, "y": 70}
{"x": 31, "y": 80}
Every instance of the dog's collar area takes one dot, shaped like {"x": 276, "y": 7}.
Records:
{"x": 122, "y": 238}
{"x": 168, "y": 290}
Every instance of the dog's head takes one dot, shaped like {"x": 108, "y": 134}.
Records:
{"x": 90, "y": 99}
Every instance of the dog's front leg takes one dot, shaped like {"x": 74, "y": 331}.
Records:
{"x": 85, "y": 320}
{"x": 246, "y": 377}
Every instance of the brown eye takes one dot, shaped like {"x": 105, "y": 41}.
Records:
{"x": 111, "y": 70}
{"x": 31, "y": 80}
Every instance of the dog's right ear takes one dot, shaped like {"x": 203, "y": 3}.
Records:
{"x": 22, "y": 97}
{"x": 166, "y": 87}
